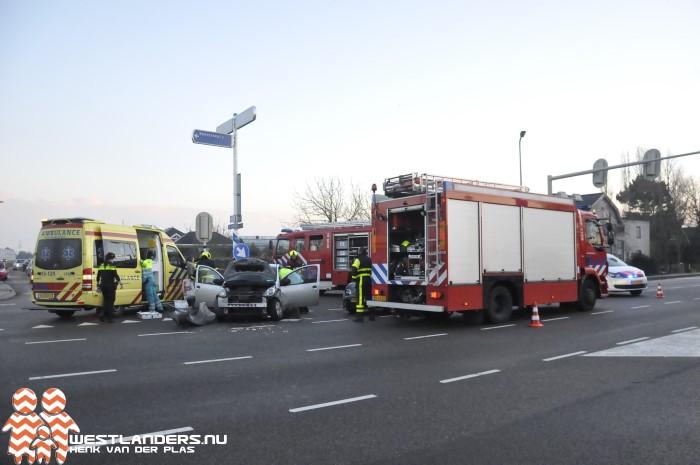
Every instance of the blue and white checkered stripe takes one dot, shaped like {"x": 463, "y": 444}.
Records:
{"x": 598, "y": 264}
{"x": 380, "y": 275}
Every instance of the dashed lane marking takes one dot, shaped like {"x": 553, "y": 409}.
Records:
{"x": 330, "y": 404}
{"x": 460, "y": 378}
{"x": 631, "y": 341}
{"x": 57, "y": 340}
{"x": 573, "y": 354}
{"x": 72, "y": 374}
{"x": 333, "y": 348}
{"x": 422, "y": 337}
{"x": 218, "y": 360}
{"x": 497, "y": 327}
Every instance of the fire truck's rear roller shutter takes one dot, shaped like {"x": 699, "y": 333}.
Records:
{"x": 463, "y": 252}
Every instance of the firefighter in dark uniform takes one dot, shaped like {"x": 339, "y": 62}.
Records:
{"x": 107, "y": 280}
{"x": 294, "y": 261}
{"x": 205, "y": 259}
{"x": 362, "y": 275}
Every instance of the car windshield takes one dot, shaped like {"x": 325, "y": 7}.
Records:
{"x": 614, "y": 261}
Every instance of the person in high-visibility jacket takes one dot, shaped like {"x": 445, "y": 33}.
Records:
{"x": 362, "y": 274}
{"x": 149, "y": 283}
{"x": 295, "y": 261}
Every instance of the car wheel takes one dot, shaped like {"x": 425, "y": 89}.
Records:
{"x": 275, "y": 310}
{"x": 500, "y": 305}
{"x": 638, "y": 292}
{"x": 65, "y": 313}
{"x": 587, "y": 296}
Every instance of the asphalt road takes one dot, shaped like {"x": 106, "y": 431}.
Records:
{"x": 617, "y": 385}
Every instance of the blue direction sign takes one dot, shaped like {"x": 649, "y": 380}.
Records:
{"x": 240, "y": 251}
{"x": 212, "y": 138}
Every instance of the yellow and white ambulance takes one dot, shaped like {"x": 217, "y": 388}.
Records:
{"x": 69, "y": 251}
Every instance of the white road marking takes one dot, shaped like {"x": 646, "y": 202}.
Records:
{"x": 217, "y": 360}
{"x": 57, "y": 340}
{"x": 42, "y": 327}
{"x": 329, "y": 404}
{"x": 555, "y": 319}
{"x": 72, "y": 374}
{"x": 165, "y": 334}
{"x": 563, "y": 356}
{"x": 131, "y": 321}
{"x": 125, "y": 440}
{"x": 600, "y": 313}
{"x": 6, "y": 305}
{"x": 674, "y": 302}
{"x": 641, "y": 306}
{"x": 421, "y": 337}
{"x": 459, "y": 378}
{"x": 632, "y": 340}
{"x": 327, "y": 321}
{"x": 496, "y": 327}
{"x": 697, "y": 298}
{"x": 684, "y": 329}
{"x": 685, "y": 344}
{"x": 331, "y": 348}
{"x": 88, "y": 324}
{"x": 336, "y": 309}
{"x": 167, "y": 319}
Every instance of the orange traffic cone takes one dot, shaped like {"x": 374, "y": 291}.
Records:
{"x": 535, "y": 322}
{"x": 659, "y": 292}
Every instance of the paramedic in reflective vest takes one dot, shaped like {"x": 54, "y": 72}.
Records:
{"x": 149, "y": 283}
{"x": 107, "y": 280}
{"x": 283, "y": 273}
{"x": 362, "y": 274}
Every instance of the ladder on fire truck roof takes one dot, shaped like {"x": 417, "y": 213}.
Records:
{"x": 414, "y": 183}
{"x": 337, "y": 225}
{"x": 433, "y": 260}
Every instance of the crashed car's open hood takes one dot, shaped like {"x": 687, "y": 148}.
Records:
{"x": 251, "y": 273}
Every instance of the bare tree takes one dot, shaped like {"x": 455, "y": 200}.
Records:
{"x": 327, "y": 199}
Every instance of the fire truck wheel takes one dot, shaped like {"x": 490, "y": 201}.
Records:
{"x": 275, "y": 310}
{"x": 587, "y": 296}
{"x": 65, "y": 313}
{"x": 500, "y": 305}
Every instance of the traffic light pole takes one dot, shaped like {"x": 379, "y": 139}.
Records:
{"x": 551, "y": 178}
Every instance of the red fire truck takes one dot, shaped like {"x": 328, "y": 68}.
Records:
{"x": 444, "y": 245}
{"x": 333, "y": 246}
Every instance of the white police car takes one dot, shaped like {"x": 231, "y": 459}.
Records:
{"x": 624, "y": 278}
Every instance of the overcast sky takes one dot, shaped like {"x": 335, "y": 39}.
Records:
{"x": 99, "y": 99}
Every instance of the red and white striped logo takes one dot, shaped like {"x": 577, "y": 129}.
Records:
{"x": 35, "y": 436}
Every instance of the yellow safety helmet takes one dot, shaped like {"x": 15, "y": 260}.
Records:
{"x": 293, "y": 253}
{"x": 206, "y": 254}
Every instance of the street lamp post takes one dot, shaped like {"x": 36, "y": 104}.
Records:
{"x": 520, "y": 156}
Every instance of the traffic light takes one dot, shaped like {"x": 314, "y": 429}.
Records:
{"x": 652, "y": 167}
{"x": 600, "y": 178}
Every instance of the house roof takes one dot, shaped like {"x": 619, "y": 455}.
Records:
{"x": 172, "y": 232}
{"x": 191, "y": 239}
{"x": 589, "y": 200}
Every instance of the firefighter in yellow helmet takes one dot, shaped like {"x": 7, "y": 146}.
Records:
{"x": 205, "y": 259}
{"x": 295, "y": 261}
{"x": 362, "y": 274}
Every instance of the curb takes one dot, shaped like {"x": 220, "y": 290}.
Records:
{"x": 6, "y": 292}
